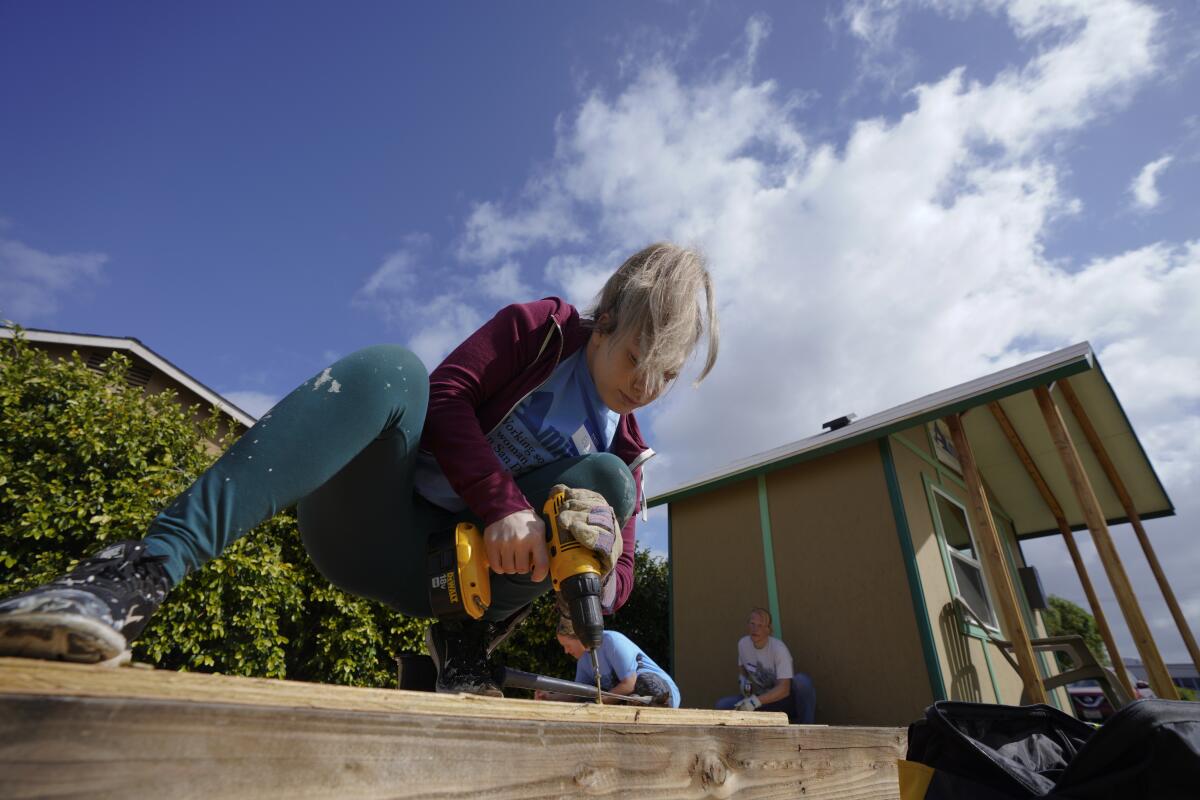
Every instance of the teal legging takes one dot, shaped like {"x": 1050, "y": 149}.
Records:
{"x": 342, "y": 447}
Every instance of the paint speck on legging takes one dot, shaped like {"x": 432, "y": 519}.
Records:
{"x": 387, "y": 386}
{"x": 335, "y": 387}
{"x": 324, "y": 378}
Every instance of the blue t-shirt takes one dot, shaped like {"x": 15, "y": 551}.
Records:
{"x": 619, "y": 658}
{"x": 564, "y": 417}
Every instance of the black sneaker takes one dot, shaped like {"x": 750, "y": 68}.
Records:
{"x": 91, "y": 613}
{"x": 498, "y": 632}
{"x": 459, "y": 651}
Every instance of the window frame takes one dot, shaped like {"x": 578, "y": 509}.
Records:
{"x": 950, "y": 554}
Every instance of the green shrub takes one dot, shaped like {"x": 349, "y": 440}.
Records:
{"x": 85, "y": 459}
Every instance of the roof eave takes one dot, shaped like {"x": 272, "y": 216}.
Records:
{"x": 1061, "y": 363}
{"x": 145, "y": 353}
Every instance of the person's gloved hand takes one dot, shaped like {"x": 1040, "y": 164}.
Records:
{"x": 586, "y": 517}
{"x": 750, "y": 703}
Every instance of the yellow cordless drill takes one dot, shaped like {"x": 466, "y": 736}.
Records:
{"x": 460, "y": 587}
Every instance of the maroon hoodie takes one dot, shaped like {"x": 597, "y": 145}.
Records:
{"x": 483, "y": 380}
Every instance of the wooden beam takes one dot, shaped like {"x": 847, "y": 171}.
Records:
{"x": 1110, "y": 643}
{"x": 1118, "y": 485}
{"x": 71, "y": 730}
{"x": 1156, "y": 670}
{"x": 991, "y": 556}
{"x": 26, "y": 676}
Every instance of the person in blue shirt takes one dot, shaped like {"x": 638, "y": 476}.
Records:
{"x": 624, "y": 668}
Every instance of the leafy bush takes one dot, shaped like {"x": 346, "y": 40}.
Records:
{"x": 85, "y": 459}
{"x": 1064, "y": 617}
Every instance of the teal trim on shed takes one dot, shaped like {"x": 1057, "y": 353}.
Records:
{"x": 764, "y": 523}
{"x": 928, "y": 648}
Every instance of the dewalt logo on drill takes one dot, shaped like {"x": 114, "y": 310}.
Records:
{"x": 445, "y": 583}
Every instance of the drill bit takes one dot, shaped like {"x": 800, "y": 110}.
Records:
{"x": 596, "y": 670}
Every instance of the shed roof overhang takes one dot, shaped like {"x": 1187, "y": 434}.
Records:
{"x": 1001, "y": 468}
{"x": 131, "y": 345}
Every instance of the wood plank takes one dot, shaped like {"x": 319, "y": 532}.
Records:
{"x": 1114, "y": 478}
{"x": 1110, "y": 642}
{"x": 61, "y": 679}
{"x": 1156, "y": 670}
{"x": 54, "y": 745}
{"x": 991, "y": 557}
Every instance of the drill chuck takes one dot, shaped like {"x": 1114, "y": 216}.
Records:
{"x": 582, "y": 593}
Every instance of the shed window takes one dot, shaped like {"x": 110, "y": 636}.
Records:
{"x": 964, "y": 558}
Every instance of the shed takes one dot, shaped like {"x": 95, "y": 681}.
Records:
{"x": 888, "y": 549}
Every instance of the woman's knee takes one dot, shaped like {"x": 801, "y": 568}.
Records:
{"x": 608, "y": 475}
{"x": 383, "y": 373}
{"x": 380, "y": 365}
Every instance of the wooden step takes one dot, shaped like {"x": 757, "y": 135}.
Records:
{"x": 72, "y": 730}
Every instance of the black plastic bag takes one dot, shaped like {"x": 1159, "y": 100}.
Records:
{"x": 1150, "y": 749}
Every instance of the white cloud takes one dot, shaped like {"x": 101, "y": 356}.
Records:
{"x": 444, "y": 322}
{"x": 437, "y": 322}
{"x": 253, "y": 403}
{"x": 580, "y": 280}
{"x": 1144, "y": 187}
{"x": 397, "y": 275}
{"x": 504, "y": 283}
{"x": 33, "y": 283}
{"x": 493, "y": 234}
{"x": 855, "y": 277}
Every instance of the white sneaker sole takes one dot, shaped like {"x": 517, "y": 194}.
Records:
{"x": 61, "y": 637}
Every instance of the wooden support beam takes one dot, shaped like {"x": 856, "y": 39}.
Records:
{"x": 1110, "y": 643}
{"x": 76, "y": 730}
{"x": 1118, "y": 485}
{"x": 1156, "y": 670}
{"x": 991, "y": 556}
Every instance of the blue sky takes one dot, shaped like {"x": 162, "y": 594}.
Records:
{"x": 899, "y": 195}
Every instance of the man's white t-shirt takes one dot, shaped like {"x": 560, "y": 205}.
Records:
{"x": 766, "y": 666}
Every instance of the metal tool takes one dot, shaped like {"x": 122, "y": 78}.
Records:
{"x": 516, "y": 679}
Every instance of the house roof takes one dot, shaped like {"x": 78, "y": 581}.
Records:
{"x": 999, "y": 465}
{"x": 131, "y": 345}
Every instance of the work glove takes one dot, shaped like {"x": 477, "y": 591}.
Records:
{"x": 750, "y": 703}
{"x": 586, "y": 517}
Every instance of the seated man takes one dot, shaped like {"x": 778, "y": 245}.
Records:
{"x": 624, "y": 668}
{"x": 766, "y": 676}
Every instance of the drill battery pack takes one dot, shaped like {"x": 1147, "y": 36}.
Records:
{"x": 459, "y": 585}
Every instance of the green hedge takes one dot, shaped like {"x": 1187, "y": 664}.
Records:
{"x": 85, "y": 459}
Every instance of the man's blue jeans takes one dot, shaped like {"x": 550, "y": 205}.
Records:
{"x": 800, "y": 705}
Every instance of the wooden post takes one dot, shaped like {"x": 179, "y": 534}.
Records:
{"x": 992, "y": 558}
{"x": 1110, "y": 643}
{"x": 1118, "y": 485}
{"x": 1156, "y": 670}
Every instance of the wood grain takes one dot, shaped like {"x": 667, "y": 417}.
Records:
{"x": 1156, "y": 670}
{"x": 76, "y": 745}
{"x": 991, "y": 557}
{"x": 1068, "y": 535}
{"x": 28, "y": 676}
{"x": 1118, "y": 485}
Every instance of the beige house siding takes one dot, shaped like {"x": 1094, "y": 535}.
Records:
{"x": 717, "y": 574}
{"x": 843, "y": 593}
{"x": 972, "y": 670}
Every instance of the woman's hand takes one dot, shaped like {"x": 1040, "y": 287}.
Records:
{"x": 517, "y": 544}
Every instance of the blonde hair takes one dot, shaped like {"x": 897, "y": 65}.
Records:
{"x": 565, "y": 628}
{"x": 656, "y": 296}
{"x": 765, "y": 613}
